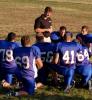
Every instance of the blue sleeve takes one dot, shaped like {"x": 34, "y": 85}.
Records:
{"x": 36, "y": 52}
{"x": 88, "y": 38}
{"x": 79, "y": 47}
{"x": 18, "y": 44}
{"x": 54, "y": 36}
{"x": 15, "y": 45}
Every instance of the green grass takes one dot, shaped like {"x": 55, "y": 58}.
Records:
{"x": 50, "y": 93}
{"x": 57, "y": 5}
{"x": 19, "y": 15}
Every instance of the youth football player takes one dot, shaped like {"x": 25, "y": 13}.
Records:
{"x": 25, "y": 57}
{"x": 65, "y": 57}
{"x": 81, "y": 36}
{"x": 84, "y": 36}
{"x": 7, "y": 62}
{"x": 58, "y": 36}
{"x": 43, "y": 24}
{"x": 83, "y": 65}
{"x": 89, "y": 46}
{"x": 47, "y": 50}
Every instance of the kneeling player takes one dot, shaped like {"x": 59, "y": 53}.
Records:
{"x": 80, "y": 37}
{"x": 25, "y": 57}
{"x": 7, "y": 62}
{"x": 83, "y": 66}
{"x": 47, "y": 50}
{"x": 65, "y": 57}
{"x": 58, "y": 36}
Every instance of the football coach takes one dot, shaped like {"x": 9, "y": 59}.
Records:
{"x": 43, "y": 24}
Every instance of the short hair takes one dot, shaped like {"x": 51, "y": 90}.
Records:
{"x": 39, "y": 37}
{"x": 11, "y": 36}
{"x": 84, "y": 27}
{"x": 25, "y": 40}
{"x": 68, "y": 34}
{"x": 62, "y": 28}
{"x": 48, "y": 9}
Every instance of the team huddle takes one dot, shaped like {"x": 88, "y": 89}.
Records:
{"x": 31, "y": 65}
{"x": 55, "y": 53}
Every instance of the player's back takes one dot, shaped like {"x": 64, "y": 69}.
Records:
{"x": 67, "y": 52}
{"x": 83, "y": 57}
{"x": 25, "y": 57}
{"x": 8, "y": 45}
{"x": 47, "y": 50}
{"x": 6, "y": 53}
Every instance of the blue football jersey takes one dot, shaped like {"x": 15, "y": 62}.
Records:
{"x": 82, "y": 37}
{"x": 6, "y": 54}
{"x": 25, "y": 59}
{"x": 19, "y": 43}
{"x": 68, "y": 52}
{"x": 83, "y": 56}
{"x": 47, "y": 50}
{"x": 55, "y": 36}
{"x": 88, "y": 38}
{"x": 79, "y": 35}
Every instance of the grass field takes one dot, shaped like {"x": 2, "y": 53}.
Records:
{"x": 19, "y": 15}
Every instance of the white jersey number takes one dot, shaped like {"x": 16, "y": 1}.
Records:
{"x": 47, "y": 56}
{"x": 68, "y": 57}
{"x": 23, "y": 62}
{"x": 7, "y": 55}
{"x": 81, "y": 56}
